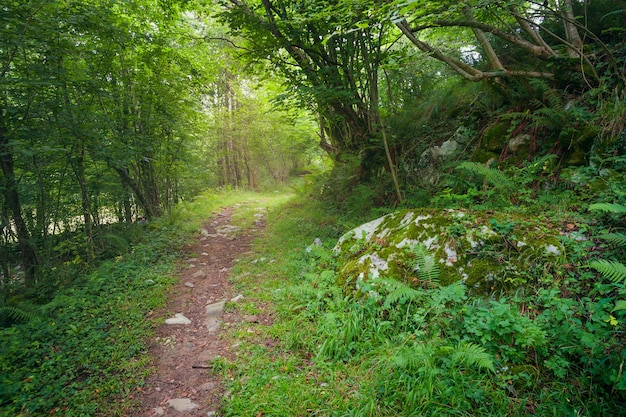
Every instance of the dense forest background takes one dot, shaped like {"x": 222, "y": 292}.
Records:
{"x": 113, "y": 113}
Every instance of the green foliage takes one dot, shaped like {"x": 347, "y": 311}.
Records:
{"x": 612, "y": 270}
{"x": 84, "y": 349}
{"x": 616, "y": 239}
{"x": 424, "y": 263}
{"x": 608, "y": 208}
{"x": 553, "y": 346}
{"x": 492, "y": 176}
{"x": 10, "y": 314}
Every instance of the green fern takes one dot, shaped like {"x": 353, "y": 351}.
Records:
{"x": 415, "y": 357}
{"x": 114, "y": 241}
{"x": 418, "y": 356}
{"x": 609, "y": 208}
{"x": 612, "y": 270}
{"x": 618, "y": 239}
{"x": 492, "y": 176}
{"x": 424, "y": 263}
{"x": 472, "y": 355}
{"x": 538, "y": 165}
{"x": 402, "y": 294}
{"x": 9, "y": 313}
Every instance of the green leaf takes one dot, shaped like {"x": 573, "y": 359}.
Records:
{"x": 620, "y": 305}
{"x": 618, "y": 239}
{"x": 608, "y": 208}
{"x": 471, "y": 355}
{"x": 493, "y": 176}
{"x": 612, "y": 270}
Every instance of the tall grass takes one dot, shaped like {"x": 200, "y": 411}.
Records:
{"x": 85, "y": 351}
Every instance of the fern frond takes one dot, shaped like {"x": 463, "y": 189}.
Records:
{"x": 16, "y": 314}
{"x": 402, "y": 294}
{"x": 609, "y": 208}
{"x": 472, "y": 355}
{"x": 617, "y": 239}
{"x": 414, "y": 357}
{"x": 113, "y": 241}
{"x": 424, "y": 263}
{"x": 612, "y": 270}
{"x": 493, "y": 176}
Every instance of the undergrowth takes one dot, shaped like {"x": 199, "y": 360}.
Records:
{"x": 555, "y": 347}
{"x": 84, "y": 351}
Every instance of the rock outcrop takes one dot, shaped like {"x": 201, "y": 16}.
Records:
{"x": 487, "y": 251}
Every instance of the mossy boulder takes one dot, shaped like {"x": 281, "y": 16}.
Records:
{"x": 488, "y": 251}
{"x": 495, "y": 138}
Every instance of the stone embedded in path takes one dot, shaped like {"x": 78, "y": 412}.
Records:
{"x": 199, "y": 274}
{"x": 214, "y": 314}
{"x": 189, "y": 284}
{"x": 207, "y": 386}
{"x": 179, "y": 318}
{"x": 237, "y": 298}
{"x": 182, "y": 405}
{"x": 252, "y": 319}
{"x": 227, "y": 229}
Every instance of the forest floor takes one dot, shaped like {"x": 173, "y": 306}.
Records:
{"x": 182, "y": 383}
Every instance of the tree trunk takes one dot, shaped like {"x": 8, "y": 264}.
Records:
{"x": 128, "y": 209}
{"x": 133, "y": 185}
{"x": 575, "y": 43}
{"x": 78, "y": 163}
{"x": 488, "y": 50}
{"x": 30, "y": 259}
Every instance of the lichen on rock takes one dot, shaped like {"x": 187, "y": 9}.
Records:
{"x": 487, "y": 251}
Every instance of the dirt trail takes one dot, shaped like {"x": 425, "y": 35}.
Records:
{"x": 182, "y": 384}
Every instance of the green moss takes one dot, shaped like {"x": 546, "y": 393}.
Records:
{"x": 482, "y": 156}
{"x": 495, "y": 138}
{"x": 490, "y": 252}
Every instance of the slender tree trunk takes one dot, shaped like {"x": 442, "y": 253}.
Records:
{"x": 5, "y": 225}
{"x": 30, "y": 259}
{"x": 78, "y": 163}
{"x": 488, "y": 50}
{"x": 392, "y": 168}
{"x": 128, "y": 209}
{"x": 150, "y": 186}
{"x": 133, "y": 185}
{"x": 573, "y": 37}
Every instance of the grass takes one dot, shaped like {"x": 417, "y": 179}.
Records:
{"x": 85, "y": 352}
{"x": 422, "y": 352}
{"x": 413, "y": 351}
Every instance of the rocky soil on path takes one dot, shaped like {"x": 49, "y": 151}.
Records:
{"x": 182, "y": 383}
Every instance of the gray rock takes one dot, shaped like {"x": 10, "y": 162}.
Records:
{"x": 214, "y": 313}
{"x": 179, "y": 318}
{"x": 316, "y": 242}
{"x": 207, "y": 386}
{"x": 201, "y": 273}
{"x": 518, "y": 141}
{"x": 237, "y": 298}
{"x": 451, "y": 244}
{"x": 448, "y": 148}
{"x": 227, "y": 229}
{"x": 189, "y": 284}
{"x": 182, "y": 405}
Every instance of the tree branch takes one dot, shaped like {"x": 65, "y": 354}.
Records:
{"x": 467, "y": 71}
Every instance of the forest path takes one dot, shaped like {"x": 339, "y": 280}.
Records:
{"x": 182, "y": 383}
